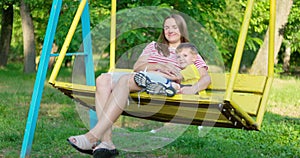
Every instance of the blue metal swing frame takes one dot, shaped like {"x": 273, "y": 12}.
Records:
{"x": 43, "y": 67}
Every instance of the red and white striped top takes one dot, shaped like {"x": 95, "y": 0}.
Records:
{"x": 155, "y": 57}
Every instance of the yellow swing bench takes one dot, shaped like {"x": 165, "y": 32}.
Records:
{"x": 233, "y": 100}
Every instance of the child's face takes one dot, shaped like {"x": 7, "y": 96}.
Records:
{"x": 186, "y": 57}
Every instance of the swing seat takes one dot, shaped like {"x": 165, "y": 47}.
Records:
{"x": 207, "y": 110}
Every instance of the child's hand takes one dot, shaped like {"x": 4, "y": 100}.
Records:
{"x": 187, "y": 90}
{"x": 180, "y": 78}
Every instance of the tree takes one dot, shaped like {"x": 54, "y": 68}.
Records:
{"x": 28, "y": 38}
{"x": 6, "y": 31}
{"x": 259, "y": 66}
{"x": 292, "y": 39}
{"x": 287, "y": 57}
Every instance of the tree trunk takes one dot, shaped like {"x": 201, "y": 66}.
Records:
{"x": 259, "y": 66}
{"x": 28, "y": 38}
{"x": 6, "y": 32}
{"x": 287, "y": 57}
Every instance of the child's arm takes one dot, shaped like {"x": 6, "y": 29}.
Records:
{"x": 190, "y": 72}
{"x": 202, "y": 84}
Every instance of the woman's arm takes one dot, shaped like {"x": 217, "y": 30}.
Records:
{"x": 142, "y": 64}
{"x": 202, "y": 84}
{"x": 167, "y": 70}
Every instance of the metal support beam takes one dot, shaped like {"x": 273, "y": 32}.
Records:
{"x": 40, "y": 79}
{"x": 83, "y": 14}
{"x": 239, "y": 50}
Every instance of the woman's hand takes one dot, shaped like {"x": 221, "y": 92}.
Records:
{"x": 170, "y": 71}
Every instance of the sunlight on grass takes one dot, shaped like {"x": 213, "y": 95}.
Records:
{"x": 284, "y": 98}
{"x": 51, "y": 110}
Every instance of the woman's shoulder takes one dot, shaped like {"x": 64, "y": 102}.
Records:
{"x": 150, "y": 48}
{"x": 151, "y": 45}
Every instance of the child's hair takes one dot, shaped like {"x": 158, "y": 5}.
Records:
{"x": 187, "y": 45}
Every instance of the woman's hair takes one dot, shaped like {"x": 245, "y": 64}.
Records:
{"x": 190, "y": 46}
{"x": 163, "y": 43}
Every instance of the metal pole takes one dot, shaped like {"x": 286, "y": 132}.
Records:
{"x": 113, "y": 35}
{"x": 67, "y": 42}
{"x": 87, "y": 46}
{"x": 239, "y": 50}
{"x": 40, "y": 79}
{"x": 264, "y": 100}
{"x": 272, "y": 38}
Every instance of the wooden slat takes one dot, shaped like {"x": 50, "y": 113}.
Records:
{"x": 244, "y": 82}
{"x": 248, "y": 102}
{"x": 75, "y": 87}
{"x": 189, "y": 113}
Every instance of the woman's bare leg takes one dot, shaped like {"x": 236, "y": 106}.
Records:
{"x": 114, "y": 106}
{"x": 115, "y": 99}
{"x": 104, "y": 86}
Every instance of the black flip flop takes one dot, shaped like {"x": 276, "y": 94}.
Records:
{"x": 105, "y": 153}
{"x": 90, "y": 152}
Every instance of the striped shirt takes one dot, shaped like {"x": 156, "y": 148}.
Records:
{"x": 156, "y": 57}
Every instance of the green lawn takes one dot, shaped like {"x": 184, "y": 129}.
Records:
{"x": 58, "y": 119}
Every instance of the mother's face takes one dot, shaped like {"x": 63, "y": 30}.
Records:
{"x": 171, "y": 31}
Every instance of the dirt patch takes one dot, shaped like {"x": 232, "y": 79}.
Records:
{"x": 292, "y": 111}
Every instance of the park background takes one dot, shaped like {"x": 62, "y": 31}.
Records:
{"x": 26, "y": 20}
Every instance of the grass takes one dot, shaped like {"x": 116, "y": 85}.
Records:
{"x": 58, "y": 119}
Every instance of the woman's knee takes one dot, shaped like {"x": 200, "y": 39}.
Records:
{"x": 129, "y": 81}
{"x": 104, "y": 79}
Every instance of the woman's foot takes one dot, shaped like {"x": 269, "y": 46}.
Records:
{"x": 82, "y": 144}
{"x": 105, "y": 150}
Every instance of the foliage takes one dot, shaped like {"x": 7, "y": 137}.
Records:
{"x": 224, "y": 25}
{"x": 17, "y": 39}
{"x": 292, "y": 33}
{"x": 221, "y": 19}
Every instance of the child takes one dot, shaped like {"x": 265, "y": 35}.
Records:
{"x": 155, "y": 83}
{"x": 187, "y": 57}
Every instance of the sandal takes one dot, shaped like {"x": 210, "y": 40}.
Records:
{"x": 154, "y": 84}
{"x": 82, "y": 144}
{"x": 103, "y": 151}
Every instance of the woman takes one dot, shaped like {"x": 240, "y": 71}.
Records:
{"x": 112, "y": 92}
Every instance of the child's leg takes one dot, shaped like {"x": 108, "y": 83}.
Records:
{"x": 154, "y": 83}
